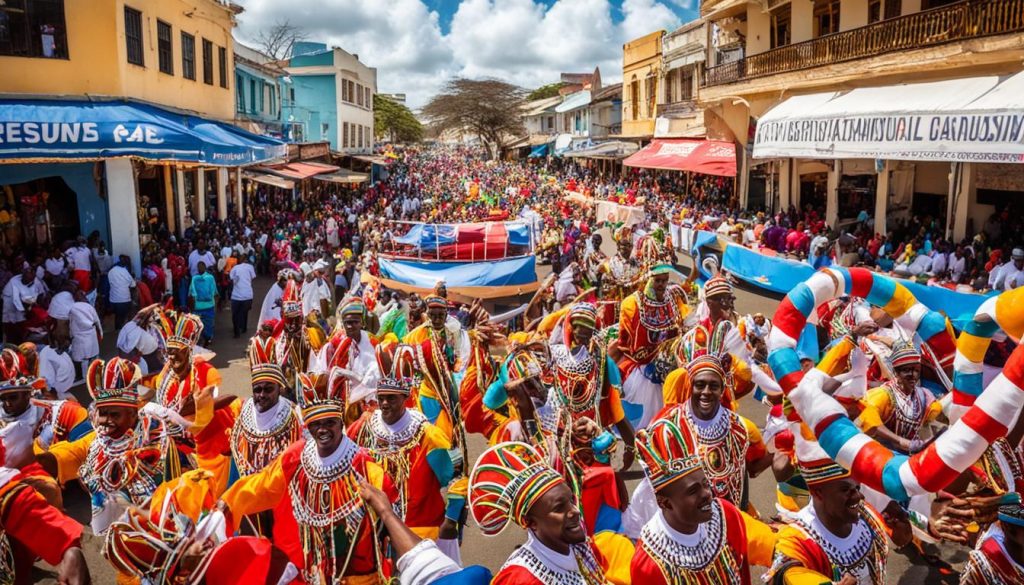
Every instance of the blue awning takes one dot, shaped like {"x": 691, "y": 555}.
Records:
{"x": 539, "y": 151}
{"x": 66, "y": 130}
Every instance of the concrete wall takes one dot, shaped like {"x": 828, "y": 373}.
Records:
{"x": 758, "y": 29}
{"x": 315, "y": 102}
{"x": 803, "y": 21}
{"x": 853, "y": 14}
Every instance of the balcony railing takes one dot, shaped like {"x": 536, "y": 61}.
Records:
{"x": 970, "y": 19}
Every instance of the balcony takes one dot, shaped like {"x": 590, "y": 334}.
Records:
{"x": 970, "y": 19}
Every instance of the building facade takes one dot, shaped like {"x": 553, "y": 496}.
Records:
{"x": 641, "y": 70}
{"x": 683, "y": 55}
{"x": 761, "y": 55}
{"x": 133, "y": 85}
{"x": 328, "y": 96}
{"x": 257, "y": 91}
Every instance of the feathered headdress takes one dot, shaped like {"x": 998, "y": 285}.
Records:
{"x": 397, "y": 363}
{"x": 668, "y": 449}
{"x": 113, "y": 383}
{"x": 321, "y": 396}
{"x": 263, "y": 365}
{"x": 291, "y": 303}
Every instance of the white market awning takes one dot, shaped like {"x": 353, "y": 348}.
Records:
{"x": 978, "y": 119}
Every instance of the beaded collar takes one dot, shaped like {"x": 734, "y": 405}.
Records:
{"x": 577, "y": 379}
{"x": 133, "y": 462}
{"x": 665, "y": 549}
{"x": 324, "y": 491}
{"x": 253, "y": 447}
{"x": 392, "y": 439}
{"x": 908, "y": 411}
{"x": 863, "y": 553}
{"x": 655, "y": 315}
{"x": 711, "y": 431}
{"x": 579, "y": 567}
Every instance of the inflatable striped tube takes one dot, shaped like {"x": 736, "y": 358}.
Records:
{"x": 869, "y": 462}
{"x": 997, "y": 313}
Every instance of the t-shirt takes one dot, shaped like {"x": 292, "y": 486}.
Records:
{"x": 242, "y": 276}
{"x": 203, "y": 289}
{"x": 121, "y": 285}
{"x": 195, "y": 257}
{"x": 80, "y": 258}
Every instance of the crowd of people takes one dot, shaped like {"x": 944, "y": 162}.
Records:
{"x": 350, "y": 462}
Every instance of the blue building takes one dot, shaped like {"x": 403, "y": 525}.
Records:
{"x": 328, "y": 96}
{"x": 258, "y": 85}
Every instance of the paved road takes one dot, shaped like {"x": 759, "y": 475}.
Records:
{"x": 477, "y": 549}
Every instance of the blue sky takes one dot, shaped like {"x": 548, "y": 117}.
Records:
{"x": 417, "y": 45}
{"x": 446, "y": 10}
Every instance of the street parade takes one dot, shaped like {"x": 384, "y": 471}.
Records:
{"x": 273, "y": 330}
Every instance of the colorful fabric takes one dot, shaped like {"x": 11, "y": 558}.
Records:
{"x": 320, "y": 397}
{"x": 668, "y": 449}
{"x": 397, "y": 363}
{"x": 506, "y": 482}
{"x": 872, "y": 464}
{"x": 187, "y": 329}
{"x": 113, "y": 383}
{"x": 719, "y": 285}
{"x": 904, "y": 354}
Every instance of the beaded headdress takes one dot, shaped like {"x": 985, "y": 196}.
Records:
{"x": 507, "y": 480}
{"x": 904, "y": 354}
{"x": 291, "y": 303}
{"x": 812, "y": 461}
{"x": 113, "y": 383}
{"x": 668, "y": 449}
{"x": 397, "y": 363}
{"x": 717, "y": 285}
{"x": 352, "y": 306}
{"x": 320, "y": 399}
{"x": 262, "y": 362}
{"x": 580, "y": 315}
{"x": 186, "y": 333}
{"x": 436, "y": 302}
{"x": 14, "y": 375}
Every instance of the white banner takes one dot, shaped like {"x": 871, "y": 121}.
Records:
{"x": 967, "y": 120}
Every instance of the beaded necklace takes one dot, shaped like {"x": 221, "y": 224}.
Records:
{"x": 326, "y": 502}
{"x": 708, "y": 562}
{"x": 578, "y": 381}
{"x": 252, "y": 448}
{"x": 392, "y": 450}
{"x": 723, "y": 444}
{"x": 868, "y": 552}
{"x": 656, "y": 316}
{"x": 908, "y": 411}
{"x": 132, "y": 463}
{"x": 588, "y": 570}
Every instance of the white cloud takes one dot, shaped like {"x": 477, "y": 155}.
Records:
{"x": 521, "y": 41}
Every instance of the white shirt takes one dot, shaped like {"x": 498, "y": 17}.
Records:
{"x": 55, "y": 266}
{"x": 57, "y": 369}
{"x": 270, "y": 309}
{"x": 60, "y": 305}
{"x": 14, "y": 295}
{"x": 921, "y": 264}
{"x": 132, "y": 337}
{"x": 1009, "y": 277}
{"x": 957, "y": 267}
{"x": 195, "y": 257}
{"x": 311, "y": 294}
{"x": 242, "y": 276}
{"x": 121, "y": 284}
{"x": 79, "y": 257}
{"x": 85, "y": 342}
{"x": 939, "y": 262}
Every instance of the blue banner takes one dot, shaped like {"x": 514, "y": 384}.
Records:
{"x": 508, "y": 272}
{"x": 92, "y": 130}
{"x": 781, "y": 275}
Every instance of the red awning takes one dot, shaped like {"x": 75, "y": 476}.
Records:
{"x": 299, "y": 171}
{"x": 710, "y": 157}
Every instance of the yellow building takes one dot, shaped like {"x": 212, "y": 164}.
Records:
{"x": 114, "y": 113}
{"x": 774, "y": 67}
{"x": 169, "y": 52}
{"x": 641, "y": 69}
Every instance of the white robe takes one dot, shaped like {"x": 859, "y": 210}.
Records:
{"x": 271, "y": 310}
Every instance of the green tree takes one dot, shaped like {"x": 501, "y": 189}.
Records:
{"x": 545, "y": 91}
{"x": 488, "y": 108}
{"x": 394, "y": 121}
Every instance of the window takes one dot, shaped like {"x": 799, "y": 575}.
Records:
{"x": 883, "y": 10}
{"x": 686, "y": 84}
{"x": 826, "y": 17}
{"x": 634, "y": 99}
{"x": 273, "y": 99}
{"x": 344, "y": 90}
{"x": 781, "y": 26}
{"x": 33, "y": 28}
{"x": 352, "y": 92}
{"x": 165, "y": 52}
{"x": 252, "y": 95}
{"x": 359, "y": 95}
{"x": 325, "y": 129}
{"x": 263, "y": 93}
{"x": 222, "y": 65}
{"x": 652, "y": 88}
{"x": 133, "y": 35}
{"x": 361, "y": 129}
{"x": 207, "y": 62}
{"x": 188, "y": 56}
{"x": 239, "y": 94}
{"x": 368, "y": 100}
{"x": 344, "y": 134}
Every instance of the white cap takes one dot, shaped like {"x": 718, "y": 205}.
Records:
{"x": 1017, "y": 253}
{"x": 305, "y": 268}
